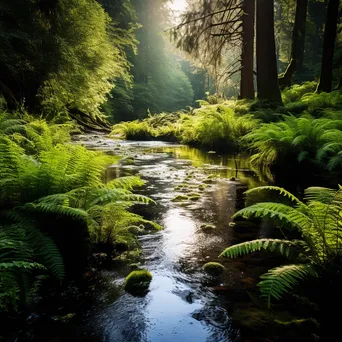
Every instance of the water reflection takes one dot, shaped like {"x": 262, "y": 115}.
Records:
{"x": 180, "y": 305}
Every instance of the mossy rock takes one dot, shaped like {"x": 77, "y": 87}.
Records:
{"x": 202, "y": 187}
{"x": 127, "y": 161}
{"x": 138, "y": 282}
{"x": 271, "y": 323}
{"x": 208, "y": 228}
{"x": 214, "y": 269}
{"x": 180, "y": 198}
{"x": 194, "y": 196}
{"x": 130, "y": 256}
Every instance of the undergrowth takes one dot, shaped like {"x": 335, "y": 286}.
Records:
{"x": 51, "y": 191}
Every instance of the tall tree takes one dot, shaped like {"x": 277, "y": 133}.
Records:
{"x": 325, "y": 80}
{"x": 247, "y": 55}
{"x": 267, "y": 76}
{"x": 297, "y": 45}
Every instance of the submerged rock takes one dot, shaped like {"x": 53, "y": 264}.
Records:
{"x": 213, "y": 268}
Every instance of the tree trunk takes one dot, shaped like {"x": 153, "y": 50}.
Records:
{"x": 298, "y": 42}
{"x": 247, "y": 55}
{"x": 330, "y": 30}
{"x": 267, "y": 77}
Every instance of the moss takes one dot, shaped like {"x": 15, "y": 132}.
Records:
{"x": 208, "y": 228}
{"x": 202, "y": 187}
{"x": 127, "y": 161}
{"x": 136, "y": 230}
{"x": 275, "y": 323}
{"x": 138, "y": 281}
{"x": 213, "y": 268}
{"x": 180, "y": 198}
{"x": 130, "y": 256}
{"x": 194, "y": 196}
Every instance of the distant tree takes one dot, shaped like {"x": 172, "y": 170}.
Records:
{"x": 325, "y": 80}
{"x": 297, "y": 44}
{"x": 247, "y": 53}
{"x": 60, "y": 56}
{"x": 220, "y": 35}
{"x": 267, "y": 76}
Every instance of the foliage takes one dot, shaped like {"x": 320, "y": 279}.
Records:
{"x": 83, "y": 59}
{"x": 297, "y": 91}
{"x": 298, "y": 142}
{"x": 43, "y": 179}
{"x": 216, "y": 126}
{"x": 317, "y": 219}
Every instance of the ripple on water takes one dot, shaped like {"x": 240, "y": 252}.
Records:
{"x": 180, "y": 305}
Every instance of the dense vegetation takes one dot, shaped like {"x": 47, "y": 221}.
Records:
{"x": 78, "y": 65}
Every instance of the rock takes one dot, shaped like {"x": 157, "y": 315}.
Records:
{"x": 208, "y": 228}
{"x": 138, "y": 282}
{"x": 213, "y": 268}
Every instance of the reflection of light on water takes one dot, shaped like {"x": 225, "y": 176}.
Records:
{"x": 178, "y": 232}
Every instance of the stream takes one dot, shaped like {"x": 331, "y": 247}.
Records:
{"x": 183, "y": 303}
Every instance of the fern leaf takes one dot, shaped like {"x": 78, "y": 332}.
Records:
{"x": 280, "y": 190}
{"x": 280, "y": 280}
{"x": 284, "y": 247}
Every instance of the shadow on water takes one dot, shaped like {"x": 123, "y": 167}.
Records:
{"x": 181, "y": 304}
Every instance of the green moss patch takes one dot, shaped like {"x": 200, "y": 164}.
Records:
{"x": 213, "y": 268}
{"x": 138, "y": 282}
{"x": 208, "y": 228}
{"x": 180, "y": 198}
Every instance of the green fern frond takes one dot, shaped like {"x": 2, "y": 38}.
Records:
{"x": 280, "y": 190}
{"x": 280, "y": 280}
{"x": 284, "y": 247}
{"x": 128, "y": 182}
{"x": 282, "y": 213}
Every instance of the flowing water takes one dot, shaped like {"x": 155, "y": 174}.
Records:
{"x": 183, "y": 303}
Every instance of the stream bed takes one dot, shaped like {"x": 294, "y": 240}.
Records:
{"x": 183, "y": 303}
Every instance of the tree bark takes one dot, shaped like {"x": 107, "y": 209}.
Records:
{"x": 330, "y": 30}
{"x": 298, "y": 42}
{"x": 267, "y": 77}
{"x": 247, "y": 55}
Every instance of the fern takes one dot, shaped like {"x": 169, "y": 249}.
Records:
{"x": 317, "y": 218}
{"x": 280, "y": 280}
{"x": 283, "y": 247}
